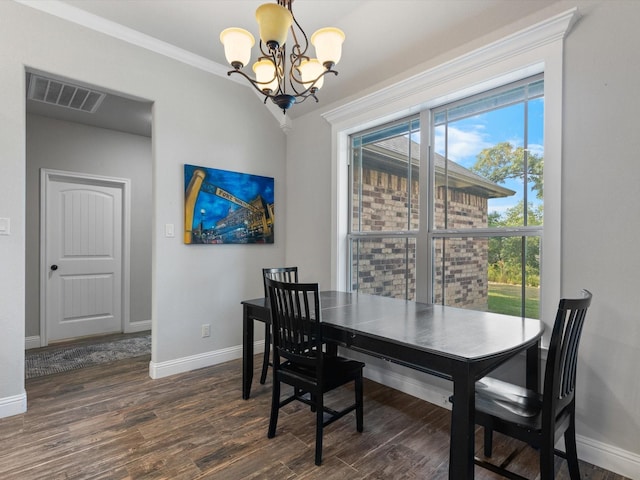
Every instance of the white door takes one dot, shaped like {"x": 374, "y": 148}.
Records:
{"x": 83, "y": 232}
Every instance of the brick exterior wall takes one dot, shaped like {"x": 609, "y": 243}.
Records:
{"x": 466, "y": 259}
{"x": 386, "y": 266}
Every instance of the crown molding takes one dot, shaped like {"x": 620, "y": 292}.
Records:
{"x": 80, "y": 17}
{"x": 548, "y": 31}
{"x": 94, "y": 22}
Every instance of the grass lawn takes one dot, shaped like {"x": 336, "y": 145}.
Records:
{"x": 507, "y": 299}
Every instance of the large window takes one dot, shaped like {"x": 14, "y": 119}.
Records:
{"x": 484, "y": 191}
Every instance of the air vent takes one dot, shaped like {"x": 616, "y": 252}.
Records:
{"x": 55, "y": 92}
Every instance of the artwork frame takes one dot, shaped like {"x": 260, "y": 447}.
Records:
{"x": 227, "y": 207}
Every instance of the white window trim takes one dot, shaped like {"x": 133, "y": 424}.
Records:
{"x": 536, "y": 49}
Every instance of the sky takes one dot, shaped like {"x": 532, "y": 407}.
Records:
{"x": 469, "y": 136}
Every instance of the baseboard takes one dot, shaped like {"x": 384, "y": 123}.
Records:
{"x": 32, "y": 342}
{"x": 134, "y": 327}
{"x": 13, "y": 405}
{"x": 193, "y": 362}
{"x": 608, "y": 457}
{"x": 140, "y": 326}
{"x": 411, "y": 386}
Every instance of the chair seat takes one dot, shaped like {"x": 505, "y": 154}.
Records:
{"x": 509, "y": 402}
{"x": 337, "y": 371}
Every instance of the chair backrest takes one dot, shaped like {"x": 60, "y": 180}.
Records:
{"x": 281, "y": 274}
{"x": 295, "y": 319}
{"x": 562, "y": 359}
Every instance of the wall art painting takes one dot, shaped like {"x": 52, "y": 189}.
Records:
{"x": 227, "y": 207}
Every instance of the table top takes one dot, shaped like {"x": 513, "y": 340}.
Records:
{"x": 455, "y": 333}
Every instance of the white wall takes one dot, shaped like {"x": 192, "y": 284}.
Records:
{"x": 61, "y": 145}
{"x": 198, "y": 118}
{"x": 600, "y": 223}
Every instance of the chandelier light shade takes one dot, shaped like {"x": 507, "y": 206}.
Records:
{"x": 237, "y": 46}
{"x": 266, "y": 74}
{"x": 284, "y": 72}
{"x": 328, "y": 44}
{"x": 310, "y": 71}
{"x": 274, "y": 22}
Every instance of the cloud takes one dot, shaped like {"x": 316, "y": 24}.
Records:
{"x": 463, "y": 145}
{"x": 536, "y": 149}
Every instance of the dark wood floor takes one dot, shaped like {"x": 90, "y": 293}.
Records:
{"x": 114, "y": 422}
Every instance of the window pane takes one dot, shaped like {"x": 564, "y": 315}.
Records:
{"x": 488, "y": 158}
{"x": 487, "y": 274}
{"x": 384, "y": 178}
{"x": 384, "y": 266}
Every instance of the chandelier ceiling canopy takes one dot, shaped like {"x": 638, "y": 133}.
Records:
{"x": 284, "y": 77}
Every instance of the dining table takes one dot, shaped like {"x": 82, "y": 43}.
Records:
{"x": 458, "y": 344}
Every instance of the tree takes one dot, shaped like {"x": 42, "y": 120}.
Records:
{"x": 504, "y": 161}
{"x": 501, "y": 162}
{"x": 505, "y": 253}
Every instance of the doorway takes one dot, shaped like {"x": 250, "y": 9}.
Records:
{"x": 113, "y": 142}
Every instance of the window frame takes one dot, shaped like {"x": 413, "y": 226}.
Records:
{"x": 535, "y": 49}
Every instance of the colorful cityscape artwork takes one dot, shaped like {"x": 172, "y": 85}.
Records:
{"x": 227, "y": 207}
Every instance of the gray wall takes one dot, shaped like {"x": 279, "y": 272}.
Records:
{"x": 202, "y": 119}
{"x": 60, "y": 145}
{"x": 600, "y": 223}
{"x": 198, "y": 118}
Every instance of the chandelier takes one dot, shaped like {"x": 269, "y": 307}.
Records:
{"x": 284, "y": 78}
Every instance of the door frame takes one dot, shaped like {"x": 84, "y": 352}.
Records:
{"x": 47, "y": 175}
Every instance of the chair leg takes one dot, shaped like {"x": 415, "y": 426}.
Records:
{"x": 488, "y": 441}
{"x": 275, "y": 408}
{"x": 267, "y": 349}
{"x": 572, "y": 452}
{"x": 319, "y": 427}
{"x": 547, "y": 458}
{"x": 359, "y": 405}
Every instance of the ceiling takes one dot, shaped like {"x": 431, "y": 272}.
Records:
{"x": 415, "y": 31}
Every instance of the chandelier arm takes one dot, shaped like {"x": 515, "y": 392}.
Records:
{"x": 310, "y": 87}
{"x": 301, "y": 99}
{"x": 265, "y": 53}
{"x": 280, "y": 69}
{"x": 297, "y": 49}
{"x": 294, "y": 71}
{"x": 254, "y": 83}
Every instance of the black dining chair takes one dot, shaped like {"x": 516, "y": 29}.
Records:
{"x": 539, "y": 418}
{"x": 281, "y": 274}
{"x": 299, "y": 360}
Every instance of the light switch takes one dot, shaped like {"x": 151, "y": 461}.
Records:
{"x": 169, "y": 230}
{"x": 5, "y": 226}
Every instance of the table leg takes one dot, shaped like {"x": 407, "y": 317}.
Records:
{"x": 247, "y": 353}
{"x": 533, "y": 368}
{"x": 462, "y": 445}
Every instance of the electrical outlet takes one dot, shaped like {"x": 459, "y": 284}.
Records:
{"x": 206, "y": 330}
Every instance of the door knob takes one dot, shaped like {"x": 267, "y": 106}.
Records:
{"x": 54, "y": 267}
